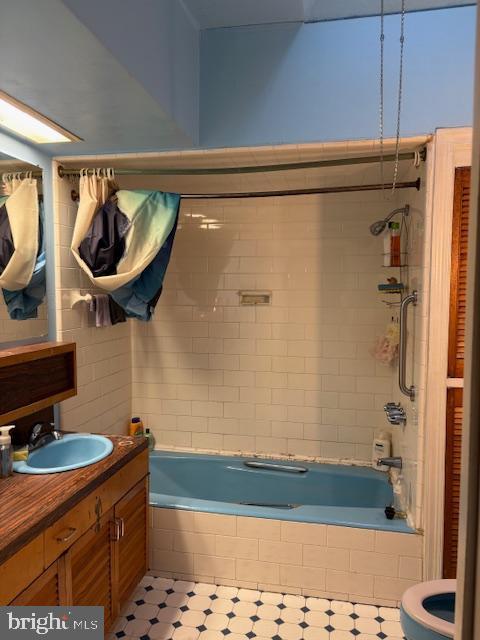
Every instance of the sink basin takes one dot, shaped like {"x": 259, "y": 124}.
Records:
{"x": 71, "y": 452}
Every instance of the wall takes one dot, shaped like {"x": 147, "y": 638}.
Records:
{"x": 295, "y": 377}
{"x": 103, "y": 355}
{"x": 293, "y": 83}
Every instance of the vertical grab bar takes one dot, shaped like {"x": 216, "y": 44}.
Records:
{"x": 402, "y": 355}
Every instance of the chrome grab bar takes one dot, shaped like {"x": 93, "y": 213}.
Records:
{"x": 271, "y": 466}
{"x": 402, "y": 350}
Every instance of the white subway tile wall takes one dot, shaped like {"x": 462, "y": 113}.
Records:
{"x": 295, "y": 377}
{"x": 103, "y": 403}
{"x": 344, "y": 563}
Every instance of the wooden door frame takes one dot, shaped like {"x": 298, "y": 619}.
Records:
{"x": 467, "y": 612}
{"x": 451, "y": 148}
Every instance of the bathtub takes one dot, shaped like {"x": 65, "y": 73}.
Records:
{"x": 314, "y": 529}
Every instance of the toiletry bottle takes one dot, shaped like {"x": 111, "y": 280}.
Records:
{"x": 398, "y": 494}
{"x": 136, "y": 427}
{"x": 6, "y": 451}
{"x": 381, "y": 449}
{"x": 387, "y": 247}
{"x": 150, "y": 439}
{"x": 395, "y": 253}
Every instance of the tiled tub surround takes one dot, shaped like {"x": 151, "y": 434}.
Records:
{"x": 343, "y": 563}
{"x": 295, "y": 377}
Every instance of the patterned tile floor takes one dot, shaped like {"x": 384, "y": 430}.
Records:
{"x": 164, "y": 609}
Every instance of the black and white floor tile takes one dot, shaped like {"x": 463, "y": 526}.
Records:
{"x": 164, "y": 609}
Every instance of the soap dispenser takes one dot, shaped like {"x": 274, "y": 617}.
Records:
{"x": 6, "y": 451}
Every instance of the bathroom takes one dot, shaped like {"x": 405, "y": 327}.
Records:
{"x": 311, "y": 320}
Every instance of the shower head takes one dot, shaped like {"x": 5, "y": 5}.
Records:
{"x": 377, "y": 227}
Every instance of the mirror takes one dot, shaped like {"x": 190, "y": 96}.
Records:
{"x": 23, "y": 311}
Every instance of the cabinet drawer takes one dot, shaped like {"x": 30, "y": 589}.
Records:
{"x": 64, "y": 532}
{"x": 21, "y": 570}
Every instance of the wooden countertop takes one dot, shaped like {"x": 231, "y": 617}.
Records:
{"x": 30, "y": 503}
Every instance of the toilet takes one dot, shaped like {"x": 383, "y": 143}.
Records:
{"x": 428, "y": 609}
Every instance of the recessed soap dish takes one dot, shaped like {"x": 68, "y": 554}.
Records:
{"x": 254, "y": 298}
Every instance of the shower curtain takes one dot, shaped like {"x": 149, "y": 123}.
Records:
{"x": 22, "y": 251}
{"x": 123, "y": 239}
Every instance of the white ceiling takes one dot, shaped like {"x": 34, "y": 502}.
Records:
{"x": 211, "y": 14}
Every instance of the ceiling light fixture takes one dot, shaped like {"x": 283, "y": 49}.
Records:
{"x": 28, "y": 123}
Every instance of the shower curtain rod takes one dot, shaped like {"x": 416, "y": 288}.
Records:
{"x": 302, "y": 192}
{"x": 289, "y": 192}
{"x": 218, "y": 171}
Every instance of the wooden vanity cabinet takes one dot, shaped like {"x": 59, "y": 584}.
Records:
{"x": 130, "y": 550}
{"x": 95, "y": 554}
{"x": 89, "y": 579}
{"x": 105, "y": 565}
{"x": 45, "y": 591}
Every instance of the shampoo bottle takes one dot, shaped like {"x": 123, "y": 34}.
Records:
{"x": 395, "y": 250}
{"x": 381, "y": 449}
{"x": 150, "y": 439}
{"x": 6, "y": 451}
{"x": 387, "y": 245}
{"x": 136, "y": 427}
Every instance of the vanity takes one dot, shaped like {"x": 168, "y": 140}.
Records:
{"x": 77, "y": 538}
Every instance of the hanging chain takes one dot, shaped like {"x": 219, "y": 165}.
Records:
{"x": 382, "y": 43}
{"x": 400, "y": 91}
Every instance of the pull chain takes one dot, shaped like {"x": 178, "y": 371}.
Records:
{"x": 382, "y": 44}
{"x": 400, "y": 91}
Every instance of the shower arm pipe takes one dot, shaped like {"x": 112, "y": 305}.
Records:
{"x": 416, "y": 184}
{"x": 403, "y": 210}
{"x": 402, "y": 349}
{"x": 64, "y": 172}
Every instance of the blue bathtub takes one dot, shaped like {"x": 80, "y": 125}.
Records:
{"x": 324, "y": 493}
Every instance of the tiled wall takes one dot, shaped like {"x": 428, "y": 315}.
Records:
{"x": 343, "y": 563}
{"x": 103, "y": 355}
{"x": 295, "y": 377}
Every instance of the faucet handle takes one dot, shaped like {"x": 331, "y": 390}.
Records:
{"x": 391, "y": 405}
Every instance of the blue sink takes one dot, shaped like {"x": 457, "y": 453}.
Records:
{"x": 71, "y": 452}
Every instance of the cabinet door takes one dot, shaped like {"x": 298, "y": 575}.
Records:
{"x": 89, "y": 568}
{"x": 131, "y": 543}
{"x": 46, "y": 590}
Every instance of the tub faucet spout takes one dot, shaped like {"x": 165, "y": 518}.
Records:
{"x": 393, "y": 463}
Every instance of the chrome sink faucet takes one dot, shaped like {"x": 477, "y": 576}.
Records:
{"x": 42, "y": 434}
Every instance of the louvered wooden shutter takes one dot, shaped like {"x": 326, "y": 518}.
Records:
{"x": 458, "y": 287}
{"x": 456, "y": 352}
{"x": 452, "y": 484}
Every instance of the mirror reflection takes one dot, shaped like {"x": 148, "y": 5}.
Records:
{"x": 23, "y": 303}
